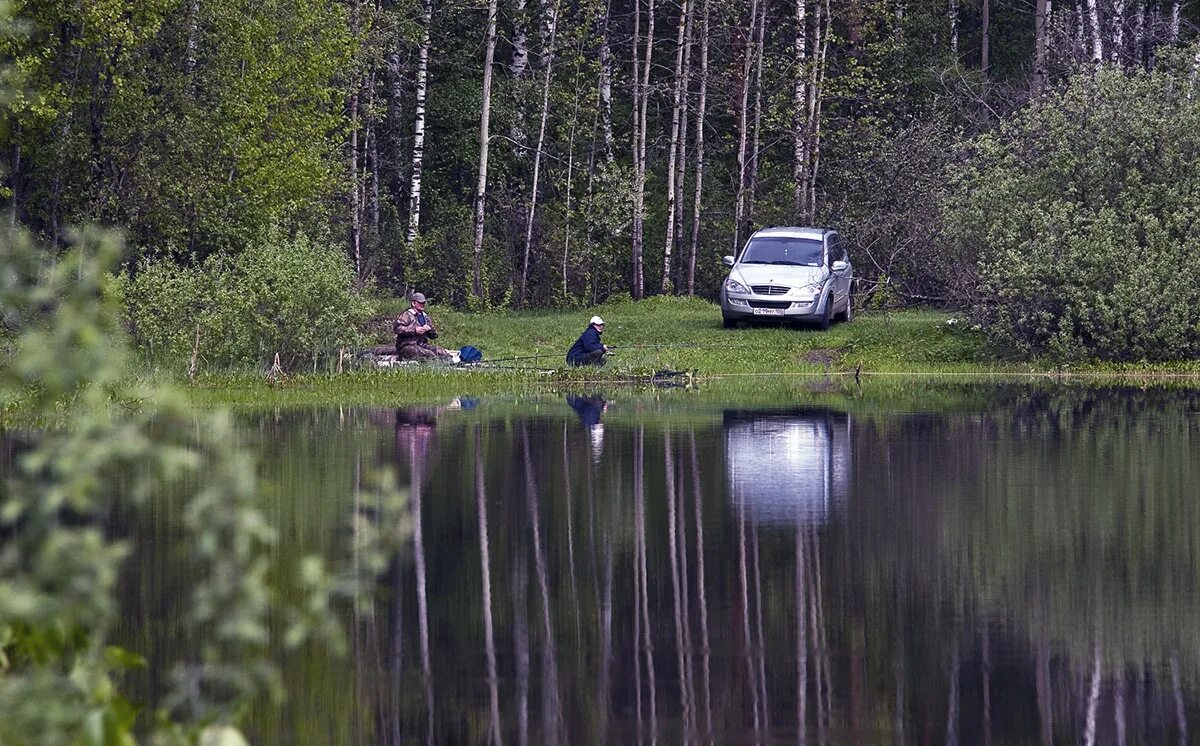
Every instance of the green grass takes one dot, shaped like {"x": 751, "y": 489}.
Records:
{"x": 768, "y": 361}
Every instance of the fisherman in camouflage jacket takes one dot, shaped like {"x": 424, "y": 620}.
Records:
{"x": 413, "y": 330}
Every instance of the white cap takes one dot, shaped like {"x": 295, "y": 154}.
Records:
{"x": 597, "y": 320}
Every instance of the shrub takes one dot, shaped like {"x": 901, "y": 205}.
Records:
{"x": 283, "y": 294}
{"x": 1082, "y": 215}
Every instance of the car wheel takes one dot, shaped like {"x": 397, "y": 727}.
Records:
{"x": 728, "y": 323}
{"x": 826, "y": 317}
{"x": 848, "y": 314}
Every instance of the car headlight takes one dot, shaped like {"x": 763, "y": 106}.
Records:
{"x": 733, "y": 286}
{"x": 808, "y": 292}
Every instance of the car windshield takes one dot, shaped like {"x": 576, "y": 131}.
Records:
{"x": 802, "y": 252}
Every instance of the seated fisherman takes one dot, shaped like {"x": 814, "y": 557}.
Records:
{"x": 588, "y": 349}
{"x": 413, "y": 330}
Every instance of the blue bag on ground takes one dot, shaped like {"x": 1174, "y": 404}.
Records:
{"x": 470, "y": 354}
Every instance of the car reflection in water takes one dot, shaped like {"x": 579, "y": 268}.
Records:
{"x": 787, "y": 466}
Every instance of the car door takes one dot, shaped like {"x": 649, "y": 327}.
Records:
{"x": 841, "y": 278}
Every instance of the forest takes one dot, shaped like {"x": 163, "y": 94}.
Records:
{"x": 1002, "y": 157}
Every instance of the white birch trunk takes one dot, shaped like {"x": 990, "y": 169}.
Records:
{"x": 1139, "y": 35}
{"x": 355, "y": 186}
{"x": 639, "y": 192}
{"x": 701, "y": 105}
{"x": 1118, "y": 31}
{"x": 604, "y": 86}
{"x": 1094, "y": 23}
{"x": 681, "y": 161}
{"x": 799, "y": 120}
{"x": 484, "y": 121}
{"x": 752, "y": 187}
{"x": 193, "y": 23}
{"x": 570, "y": 183}
{"x": 817, "y": 95}
{"x": 676, "y": 108}
{"x": 418, "y": 146}
{"x": 1176, "y": 10}
{"x": 953, "y": 17}
{"x": 548, "y": 62}
{"x": 743, "y": 130}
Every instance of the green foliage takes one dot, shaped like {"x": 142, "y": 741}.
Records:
{"x": 120, "y": 443}
{"x": 283, "y": 294}
{"x": 198, "y": 129}
{"x": 1083, "y": 216}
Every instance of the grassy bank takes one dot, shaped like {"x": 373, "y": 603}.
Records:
{"x": 666, "y": 333}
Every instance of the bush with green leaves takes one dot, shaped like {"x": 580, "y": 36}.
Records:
{"x": 283, "y": 294}
{"x": 104, "y": 446}
{"x": 1082, "y": 216}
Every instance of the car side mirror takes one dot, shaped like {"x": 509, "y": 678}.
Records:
{"x": 839, "y": 265}
{"x": 727, "y": 261}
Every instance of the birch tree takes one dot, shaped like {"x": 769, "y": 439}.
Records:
{"x": 952, "y": 16}
{"x": 799, "y": 109}
{"x": 641, "y": 74}
{"x": 701, "y": 105}
{"x": 752, "y": 185}
{"x": 1094, "y": 23}
{"x": 352, "y": 108}
{"x": 680, "y": 89}
{"x": 743, "y": 127}
{"x": 484, "y": 120}
{"x": 418, "y": 145}
{"x": 548, "y": 65}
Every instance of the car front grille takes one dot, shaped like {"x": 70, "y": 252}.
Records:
{"x": 769, "y": 303}
{"x": 769, "y": 290}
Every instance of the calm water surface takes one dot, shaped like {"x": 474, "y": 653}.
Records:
{"x": 959, "y": 564}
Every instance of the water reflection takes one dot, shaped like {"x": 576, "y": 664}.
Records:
{"x": 787, "y": 467}
{"x": 1008, "y": 564}
{"x": 589, "y": 409}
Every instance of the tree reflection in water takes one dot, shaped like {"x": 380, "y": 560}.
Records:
{"x": 1023, "y": 571}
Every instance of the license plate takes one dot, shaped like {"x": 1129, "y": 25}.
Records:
{"x": 767, "y": 311}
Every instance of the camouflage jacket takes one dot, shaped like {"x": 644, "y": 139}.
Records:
{"x": 406, "y": 325}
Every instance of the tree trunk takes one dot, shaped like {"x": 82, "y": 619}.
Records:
{"x": 752, "y": 186}
{"x": 418, "y": 148}
{"x": 680, "y": 90}
{"x": 570, "y": 183}
{"x": 1118, "y": 31}
{"x": 1094, "y": 23}
{"x": 952, "y": 15}
{"x": 1041, "y": 30}
{"x": 604, "y": 88}
{"x": 548, "y": 63}
{"x": 355, "y": 185}
{"x": 1176, "y": 9}
{"x": 799, "y": 120}
{"x": 744, "y": 128}
{"x": 701, "y": 105}
{"x": 641, "y": 106}
{"x": 816, "y": 101}
{"x": 484, "y": 120}
{"x": 985, "y": 41}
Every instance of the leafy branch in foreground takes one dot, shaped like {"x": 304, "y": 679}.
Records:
{"x": 119, "y": 445}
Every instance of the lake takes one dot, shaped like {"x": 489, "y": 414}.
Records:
{"x": 965, "y": 563}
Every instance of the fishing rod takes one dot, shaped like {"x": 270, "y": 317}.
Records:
{"x": 518, "y": 357}
{"x": 661, "y": 346}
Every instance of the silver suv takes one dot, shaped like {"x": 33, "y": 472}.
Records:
{"x": 789, "y": 274}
